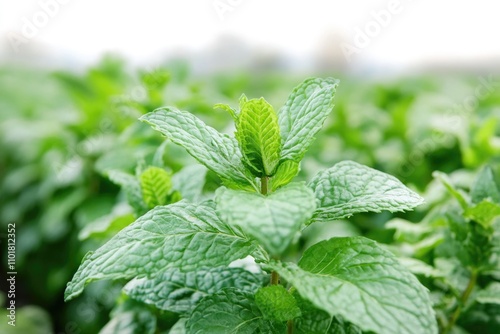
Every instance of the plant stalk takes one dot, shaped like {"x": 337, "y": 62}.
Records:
{"x": 264, "y": 190}
{"x": 275, "y": 278}
{"x": 264, "y": 182}
{"x": 289, "y": 326}
{"x": 463, "y": 299}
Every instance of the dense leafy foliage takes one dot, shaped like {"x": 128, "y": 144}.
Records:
{"x": 173, "y": 252}
{"x": 351, "y": 278}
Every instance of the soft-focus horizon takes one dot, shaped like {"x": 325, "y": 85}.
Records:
{"x": 361, "y": 36}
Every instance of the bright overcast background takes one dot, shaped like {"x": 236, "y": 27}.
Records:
{"x": 416, "y": 33}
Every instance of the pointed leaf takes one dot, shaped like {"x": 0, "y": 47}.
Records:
{"x": 229, "y": 312}
{"x": 156, "y": 184}
{"x": 445, "y": 180}
{"x": 258, "y": 135}
{"x": 303, "y": 115}
{"x": 218, "y": 152}
{"x": 484, "y": 212}
{"x": 274, "y": 219}
{"x": 178, "y": 291}
{"x": 348, "y": 188}
{"x": 485, "y": 186}
{"x": 285, "y": 173}
{"x": 363, "y": 283}
{"x": 181, "y": 235}
{"x": 233, "y": 112}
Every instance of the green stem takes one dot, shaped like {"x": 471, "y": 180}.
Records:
{"x": 463, "y": 299}
{"x": 275, "y": 278}
{"x": 264, "y": 182}
{"x": 264, "y": 190}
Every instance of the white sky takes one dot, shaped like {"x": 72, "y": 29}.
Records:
{"x": 422, "y": 30}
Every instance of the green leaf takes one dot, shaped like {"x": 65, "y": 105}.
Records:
{"x": 189, "y": 181}
{"x": 276, "y": 303}
{"x": 419, "y": 267}
{"x": 178, "y": 291}
{"x": 233, "y": 112}
{"x": 243, "y": 99}
{"x": 181, "y": 235}
{"x": 132, "y": 189}
{"x": 130, "y": 318}
{"x": 485, "y": 186}
{"x": 303, "y": 115}
{"x": 285, "y": 173}
{"x": 484, "y": 212}
{"x": 365, "y": 284}
{"x": 230, "y": 311}
{"x": 156, "y": 184}
{"x": 160, "y": 154}
{"x": 315, "y": 321}
{"x": 274, "y": 219}
{"x": 489, "y": 295}
{"x": 258, "y": 135}
{"x": 179, "y": 327}
{"x": 218, "y": 152}
{"x": 445, "y": 180}
{"x": 107, "y": 226}
{"x": 348, "y": 188}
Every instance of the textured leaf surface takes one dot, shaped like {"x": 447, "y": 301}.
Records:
{"x": 181, "y": 235}
{"x": 363, "y": 283}
{"x": 320, "y": 322}
{"x": 156, "y": 184}
{"x": 218, "y": 152}
{"x": 190, "y": 181}
{"x": 178, "y": 291}
{"x": 276, "y": 303}
{"x": 315, "y": 321}
{"x": 274, "y": 219}
{"x": 303, "y": 115}
{"x": 285, "y": 173}
{"x": 348, "y": 188}
{"x": 229, "y": 312}
{"x": 258, "y": 135}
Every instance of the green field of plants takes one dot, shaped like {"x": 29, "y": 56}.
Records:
{"x": 163, "y": 201}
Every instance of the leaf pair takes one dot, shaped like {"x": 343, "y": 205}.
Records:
{"x": 264, "y": 141}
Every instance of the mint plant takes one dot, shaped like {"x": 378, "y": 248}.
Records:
{"x": 457, "y": 247}
{"x": 180, "y": 257}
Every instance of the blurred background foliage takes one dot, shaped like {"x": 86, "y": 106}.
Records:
{"x": 63, "y": 135}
